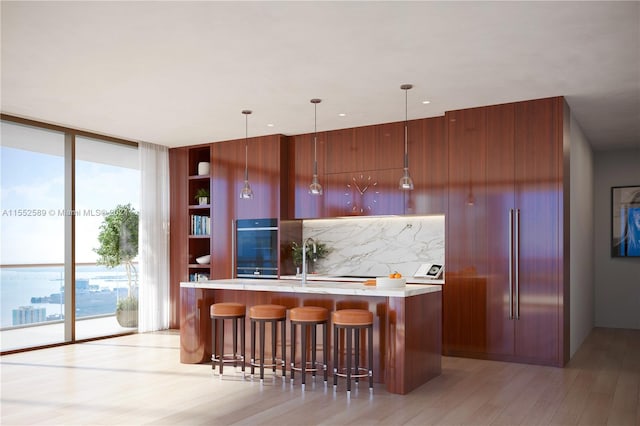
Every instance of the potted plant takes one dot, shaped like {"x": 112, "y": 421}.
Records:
{"x": 312, "y": 257}
{"x": 118, "y": 240}
{"x": 202, "y": 196}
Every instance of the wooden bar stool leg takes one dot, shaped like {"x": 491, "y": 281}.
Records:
{"x": 253, "y": 347}
{"x": 335, "y": 357}
{"x": 325, "y": 344}
{"x": 283, "y": 339}
{"x": 356, "y": 356}
{"x": 235, "y": 341}
{"x": 370, "y": 331}
{"x": 303, "y": 353}
{"x": 262, "y": 343}
{"x": 293, "y": 350}
{"x": 242, "y": 346}
{"x": 349, "y": 336}
{"x": 313, "y": 350}
{"x": 221, "y": 344}
{"x": 213, "y": 343}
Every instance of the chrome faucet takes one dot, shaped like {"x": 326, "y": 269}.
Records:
{"x": 304, "y": 256}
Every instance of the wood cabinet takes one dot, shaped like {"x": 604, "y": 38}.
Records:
{"x": 303, "y": 205}
{"x": 506, "y": 285}
{"x": 428, "y": 166}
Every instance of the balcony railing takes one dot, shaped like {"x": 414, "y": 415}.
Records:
{"x": 33, "y": 304}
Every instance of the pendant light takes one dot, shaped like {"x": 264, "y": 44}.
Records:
{"x": 406, "y": 183}
{"x": 246, "y": 193}
{"x": 315, "y": 188}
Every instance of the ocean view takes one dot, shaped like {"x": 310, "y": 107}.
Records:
{"x": 100, "y": 288}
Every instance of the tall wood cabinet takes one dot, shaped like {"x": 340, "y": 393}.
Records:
{"x": 506, "y": 290}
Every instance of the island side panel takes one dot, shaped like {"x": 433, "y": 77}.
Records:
{"x": 414, "y": 333}
{"x": 195, "y": 325}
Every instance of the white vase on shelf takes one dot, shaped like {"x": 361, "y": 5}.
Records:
{"x": 203, "y": 168}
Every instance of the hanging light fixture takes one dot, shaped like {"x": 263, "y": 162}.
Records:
{"x": 315, "y": 188}
{"x": 406, "y": 183}
{"x": 246, "y": 193}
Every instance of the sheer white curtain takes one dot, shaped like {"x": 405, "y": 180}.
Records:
{"x": 153, "y": 311}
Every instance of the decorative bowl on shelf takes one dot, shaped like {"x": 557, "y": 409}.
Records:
{"x": 204, "y": 260}
{"x": 386, "y": 282}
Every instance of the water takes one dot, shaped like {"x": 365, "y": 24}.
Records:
{"x": 19, "y": 285}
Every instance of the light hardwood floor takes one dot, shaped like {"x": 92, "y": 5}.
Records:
{"x": 138, "y": 379}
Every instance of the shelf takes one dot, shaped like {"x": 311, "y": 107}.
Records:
{"x": 199, "y": 206}
{"x": 199, "y": 177}
{"x": 199, "y": 236}
{"x": 199, "y": 266}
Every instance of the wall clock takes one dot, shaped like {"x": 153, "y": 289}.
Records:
{"x": 361, "y": 194}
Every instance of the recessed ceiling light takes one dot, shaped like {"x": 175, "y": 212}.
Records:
{"x": 342, "y": 114}
{"x": 270, "y": 125}
{"x": 426, "y": 102}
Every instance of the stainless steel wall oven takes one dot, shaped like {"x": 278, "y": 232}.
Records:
{"x": 257, "y": 248}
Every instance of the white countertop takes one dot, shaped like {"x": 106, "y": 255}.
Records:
{"x": 334, "y": 286}
{"x": 319, "y": 277}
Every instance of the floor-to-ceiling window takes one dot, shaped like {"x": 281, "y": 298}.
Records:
{"x": 57, "y": 191}
{"x": 107, "y": 183}
{"x": 32, "y": 235}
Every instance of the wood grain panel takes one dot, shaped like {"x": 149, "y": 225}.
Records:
{"x": 389, "y": 152}
{"x": 466, "y": 251}
{"x": 178, "y": 251}
{"x": 226, "y": 171}
{"x": 364, "y": 193}
{"x": 195, "y": 325}
{"x": 428, "y": 166}
{"x": 305, "y": 205}
{"x": 500, "y": 201}
{"x": 538, "y": 196}
{"x": 414, "y": 344}
{"x": 342, "y": 153}
{"x": 264, "y": 177}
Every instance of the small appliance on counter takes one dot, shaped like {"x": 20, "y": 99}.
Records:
{"x": 431, "y": 271}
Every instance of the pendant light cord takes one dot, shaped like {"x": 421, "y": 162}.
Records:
{"x": 406, "y": 137}
{"x": 315, "y": 138}
{"x": 246, "y": 147}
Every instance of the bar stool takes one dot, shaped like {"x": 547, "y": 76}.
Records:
{"x": 273, "y": 314}
{"x": 352, "y": 321}
{"x": 219, "y": 313}
{"x": 309, "y": 318}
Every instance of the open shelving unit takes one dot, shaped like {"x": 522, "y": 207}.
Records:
{"x": 199, "y": 215}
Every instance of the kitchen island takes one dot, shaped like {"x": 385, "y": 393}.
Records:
{"x": 407, "y": 320}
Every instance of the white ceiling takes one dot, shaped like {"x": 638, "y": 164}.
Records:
{"x": 180, "y": 73}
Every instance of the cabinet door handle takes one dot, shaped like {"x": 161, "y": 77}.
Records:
{"x": 516, "y": 266}
{"x": 510, "y": 263}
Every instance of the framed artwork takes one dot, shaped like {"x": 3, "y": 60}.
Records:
{"x": 625, "y": 221}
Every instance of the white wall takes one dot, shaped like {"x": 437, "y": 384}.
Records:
{"x": 581, "y": 265}
{"x": 617, "y": 280}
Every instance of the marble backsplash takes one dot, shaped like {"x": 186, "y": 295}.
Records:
{"x": 376, "y": 246}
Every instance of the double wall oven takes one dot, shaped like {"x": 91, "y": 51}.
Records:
{"x": 257, "y": 248}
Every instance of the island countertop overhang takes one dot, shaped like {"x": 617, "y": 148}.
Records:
{"x": 313, "y": 287}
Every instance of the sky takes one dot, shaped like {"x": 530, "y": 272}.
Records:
{"x": 32, "y": 205}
